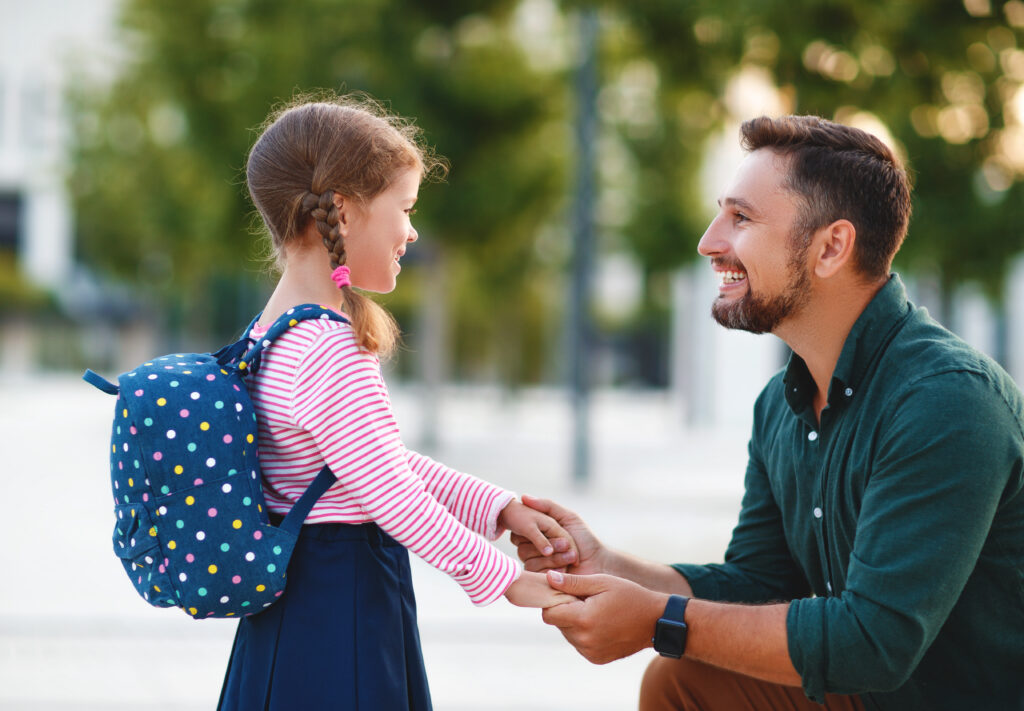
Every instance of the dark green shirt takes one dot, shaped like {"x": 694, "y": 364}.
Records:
{"x": 896, "y": 526}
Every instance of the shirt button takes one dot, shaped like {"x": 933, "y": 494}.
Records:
{"x": 812, "y": 435}
{"x": 817, "y": 512}
{"x": 848, "y": 392}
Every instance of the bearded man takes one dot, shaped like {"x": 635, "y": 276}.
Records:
{"x": 878, "y": 560}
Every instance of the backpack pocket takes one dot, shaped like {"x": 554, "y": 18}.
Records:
{"x": 229, "y": 560}
{"x": 137, "y": 546}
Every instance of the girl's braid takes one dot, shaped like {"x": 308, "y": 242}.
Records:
{"x": 323, "y": 210}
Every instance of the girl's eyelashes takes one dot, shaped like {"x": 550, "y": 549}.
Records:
{"x": 410, "y": 211}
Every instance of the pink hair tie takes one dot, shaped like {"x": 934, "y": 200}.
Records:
{"x": 341, "y": 276}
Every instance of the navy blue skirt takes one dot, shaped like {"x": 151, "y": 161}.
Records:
{"x": 342, "y": 636}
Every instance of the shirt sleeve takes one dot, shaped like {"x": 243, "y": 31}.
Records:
{"x": 758, "y": 565}
{"x": 474, "y": 502}
{"x": 341, "y": 400}
{"x": 944, "y": 458}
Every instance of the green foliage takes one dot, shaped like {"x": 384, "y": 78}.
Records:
{"x": 17, "y": 296}
{"x": 160, "y": 200}
{"x": 158, "y": 170}
{"x": 939, "y": 78}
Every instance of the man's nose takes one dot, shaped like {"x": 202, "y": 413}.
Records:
{"x": 713, "y": 241}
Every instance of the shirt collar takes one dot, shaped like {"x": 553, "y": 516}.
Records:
{"x": 871, "y": 331}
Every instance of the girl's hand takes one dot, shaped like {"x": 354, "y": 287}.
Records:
{"x": 588, "y": 555}
{"x": 532, "y": 590}
{"x": 544, "y": 532}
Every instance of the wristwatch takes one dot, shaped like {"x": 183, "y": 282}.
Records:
{"x": 670, "y": 631}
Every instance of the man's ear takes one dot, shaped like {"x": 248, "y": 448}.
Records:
{"x": 834, "y": 245}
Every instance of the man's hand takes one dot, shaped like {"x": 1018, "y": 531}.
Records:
{"x": 614, "y": 619}
{"x": 588, "y": 556}
{"x": 532, "y": 590}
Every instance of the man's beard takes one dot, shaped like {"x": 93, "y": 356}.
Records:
{"x": 758, "y": 313}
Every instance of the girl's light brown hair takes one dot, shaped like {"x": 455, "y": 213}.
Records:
{"x": 311, "y": 149}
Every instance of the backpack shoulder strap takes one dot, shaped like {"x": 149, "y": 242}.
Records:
{"x": 250, "y": 361}
{"x": 297, "y": 516}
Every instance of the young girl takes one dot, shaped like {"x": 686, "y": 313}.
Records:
{"x": 335, "y": 183}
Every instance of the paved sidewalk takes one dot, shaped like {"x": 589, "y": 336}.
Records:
{"x": 71, "y": 625}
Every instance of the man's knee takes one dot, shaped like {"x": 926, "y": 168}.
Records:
{"x": 669, "y": 684}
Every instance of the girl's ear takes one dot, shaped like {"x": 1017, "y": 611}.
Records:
{"x": 342, "y": 205}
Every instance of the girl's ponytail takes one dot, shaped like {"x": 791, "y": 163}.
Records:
{"x": 375, "y": 328}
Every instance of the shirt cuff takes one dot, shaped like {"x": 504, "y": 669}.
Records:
{"x": 805, "y": 626}
{"x": 498, "y": 503}
{"x": 702, "y": 581}
{"x": 483, "y": 590}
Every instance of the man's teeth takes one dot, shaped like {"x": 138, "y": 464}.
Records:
{"x": 730, "y": 277}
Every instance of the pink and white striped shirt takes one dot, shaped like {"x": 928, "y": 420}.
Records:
{"x": 319, "y": 398}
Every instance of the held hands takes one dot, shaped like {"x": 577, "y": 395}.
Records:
{"x": 605, "y": 617}
{"x": 613, "y": 617}
{"x": 546, "y": 538}
{"x": 540, "y": 531}
{"x": 532, "y": 590}
{"x": 586, "y": 556}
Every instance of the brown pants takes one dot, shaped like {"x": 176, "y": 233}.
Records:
{"x": 686, "y": 685}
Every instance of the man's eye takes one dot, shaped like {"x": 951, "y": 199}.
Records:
{"x": 740, "y": 217}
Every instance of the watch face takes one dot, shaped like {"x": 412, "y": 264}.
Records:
{"x": 670, "y": 638}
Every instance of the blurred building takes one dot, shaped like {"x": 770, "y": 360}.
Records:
{"x": 39, "y": 42}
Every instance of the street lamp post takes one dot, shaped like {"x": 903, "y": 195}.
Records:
{"x": 583, "y": 243}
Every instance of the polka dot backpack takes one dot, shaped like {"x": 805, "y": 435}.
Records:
{"x": 191, "y": 526}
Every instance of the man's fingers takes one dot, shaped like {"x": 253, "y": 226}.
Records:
{"x": 562, "y": 559}
{"x": 536, "y": 562}
{"x": 549, "y": 507}
{"x": 541, "y": 564}
{"x": 578, "y": 585}
{"x": 563, "y": 616}
{"x": 527, "y": 550}
{"x": 558, "y": 536}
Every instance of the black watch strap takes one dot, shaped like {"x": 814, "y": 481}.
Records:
{"x": 670, "y": 631}
{"x": 675, "y": 608}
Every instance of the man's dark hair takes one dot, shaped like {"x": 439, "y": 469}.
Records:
{"x": 840, "y": 172}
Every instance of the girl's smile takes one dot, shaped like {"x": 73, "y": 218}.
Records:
{"x": 376, "y": 234}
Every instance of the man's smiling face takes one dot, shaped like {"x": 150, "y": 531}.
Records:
{"x": 760, "y": 263}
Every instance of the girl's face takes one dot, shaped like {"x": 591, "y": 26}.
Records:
{"x": 378, "y": 232}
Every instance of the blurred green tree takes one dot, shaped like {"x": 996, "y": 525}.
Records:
{"x": 157, "y": 177}
{"x": 158, "y": 169}
{"x": 944, "y": 78}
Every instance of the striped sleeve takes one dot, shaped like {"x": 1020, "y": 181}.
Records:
{"x": 340, "y": 398}
{"x": 476, "y": 503}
